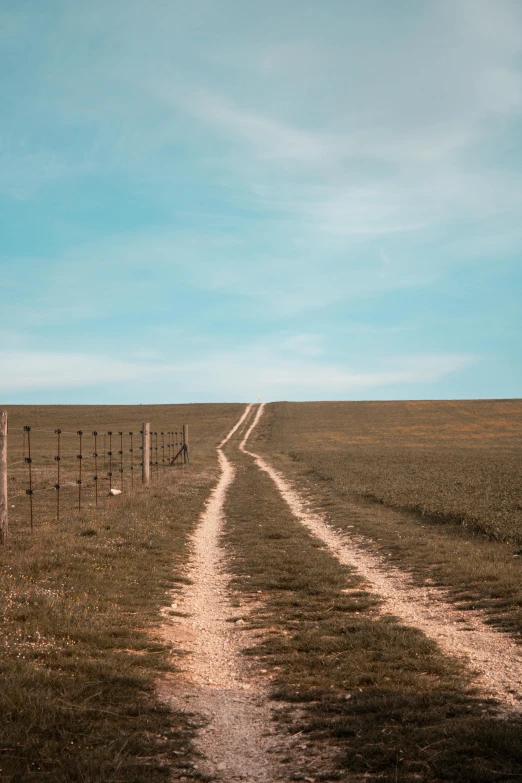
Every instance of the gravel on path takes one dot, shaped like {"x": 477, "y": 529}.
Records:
{"x": 237, "y": 741}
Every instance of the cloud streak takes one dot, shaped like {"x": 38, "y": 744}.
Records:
{"x": 270, "y": 138}
{"x": 246, "y": 374}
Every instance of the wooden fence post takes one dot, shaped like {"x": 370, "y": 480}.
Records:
{"x": 145, "y": 456}
{"x": 3, "y": 478}
{"x": 186, "y": 444}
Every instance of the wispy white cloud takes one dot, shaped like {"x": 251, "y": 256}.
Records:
{"x": 26, "y": 169}
{"x": 270, "y": 137}
{"x": 492, "y": 25}
{"x": 245, "y": 374}
{"x": 302, "y": 344}
{"x": 418, "y": 104}
{"x": 503, "y": 88}
{"x": 136, "y": 270}
{"x": 365, "y": 211}
{"x": 34, "y": 370}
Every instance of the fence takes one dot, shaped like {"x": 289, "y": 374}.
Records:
{"x": 49, "y": 472}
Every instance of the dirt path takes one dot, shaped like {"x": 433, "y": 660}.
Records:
{"x": 494, "y": 658}
{"x": 238, "y": 742}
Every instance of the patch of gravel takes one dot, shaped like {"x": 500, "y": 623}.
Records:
{"x": 494, "y": 658}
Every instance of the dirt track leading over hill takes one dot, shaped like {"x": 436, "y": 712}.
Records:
{"x": 237, "y": 742}
{"x": 237, "y": 739}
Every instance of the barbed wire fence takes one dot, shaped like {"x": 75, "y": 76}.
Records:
{"x": 53, "y": 471}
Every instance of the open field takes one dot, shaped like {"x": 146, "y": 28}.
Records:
{"x": 424, "y": 457}
{"x": 381, "y": 696}
{"x": 455, "y": 461}
{"x": 258, "y": 617}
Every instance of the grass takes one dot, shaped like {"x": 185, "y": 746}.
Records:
{"x": 478, "y": 570}
{"x": 82, "y": 598}
{"x": 456, "y": 461}
{"x": 45, "y": 419}
{"x": 380, "y": 693}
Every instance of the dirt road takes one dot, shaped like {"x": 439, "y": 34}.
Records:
{"x": 238, "y": 739}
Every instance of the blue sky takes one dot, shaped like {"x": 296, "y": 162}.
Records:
{"x": 232, "y": 200}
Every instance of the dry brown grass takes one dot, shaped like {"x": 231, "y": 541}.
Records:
{"x": 380, "y": 693}
{"x": 461, "y": 528}
{"x": 82, "y": 597}
{"x": 45, "y": 419}
{"x": 457, "y": 461}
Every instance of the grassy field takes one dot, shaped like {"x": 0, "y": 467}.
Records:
{"x": 80, "y": 601}
{"x": 454, "y": 461}
{"x": 432, "y": 459}
{"x": 382, "y": 694}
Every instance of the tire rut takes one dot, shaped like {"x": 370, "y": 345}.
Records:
{"x": 237, "y": 741}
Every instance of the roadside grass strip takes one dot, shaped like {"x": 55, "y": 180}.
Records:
{"x": 78, "y": 661}
{"x": 379, "y": 693}
{"x": 80, "y": 655}
{"x": 478, "y": 572}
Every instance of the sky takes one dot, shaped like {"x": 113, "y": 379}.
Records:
{"x": 228, "y": 200}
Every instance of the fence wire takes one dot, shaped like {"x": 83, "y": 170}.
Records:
{"x": 53, "y": 472}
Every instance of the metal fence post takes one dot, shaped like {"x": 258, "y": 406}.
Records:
{"x": 3, "y": 478}
{"x": 186, "y": 459}
{"x": 145, "y": 459}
